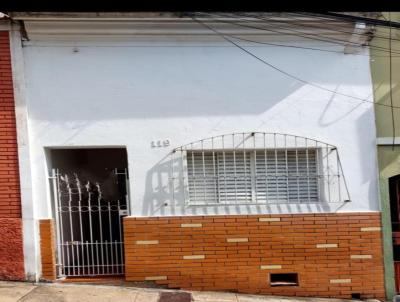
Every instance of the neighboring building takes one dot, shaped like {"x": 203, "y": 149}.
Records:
{"x": 388, "y": 142}
{"x": 11, "y": 252}
{"x": 232, "y": 175}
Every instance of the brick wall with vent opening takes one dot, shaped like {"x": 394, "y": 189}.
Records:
{"x": 11, "y": 254}
{"x": 334, "y": 255}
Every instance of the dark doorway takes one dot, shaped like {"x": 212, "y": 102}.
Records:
{"x": 90, "y": 189}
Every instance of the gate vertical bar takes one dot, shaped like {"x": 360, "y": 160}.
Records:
{"x": 128, "y": 207}
{"x": 61, "y": 221}
{"x": 87, "y": 256}
{"x": 97, "y": 258}
{"x": 116, "y": 256}
{"x": 68, "y": 266}
{"x": 70, "y": 221}
{"x": 78, "y": 185}
{"x": 100, "y": 224}
{"x": 107, "y": 263}
{"x": 111, "y": 239}
{"x": 58, "y": 217}
{"x": 120, "y": 235}
{"x": 90, "y": 222}
{"x": 127, "y": 188}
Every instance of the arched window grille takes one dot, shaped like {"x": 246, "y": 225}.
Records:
{"x": 257, "y": 168}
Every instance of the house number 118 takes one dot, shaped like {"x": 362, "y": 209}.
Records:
{"x": 160, "y": 143}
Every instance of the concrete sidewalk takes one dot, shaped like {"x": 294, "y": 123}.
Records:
{"x": 55, "y": 292}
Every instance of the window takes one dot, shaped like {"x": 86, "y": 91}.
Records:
{"x": 252, "y": 176}
{"x": 256, "y": 168}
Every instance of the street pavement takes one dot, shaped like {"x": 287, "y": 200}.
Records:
{"x": 72, "y": 292}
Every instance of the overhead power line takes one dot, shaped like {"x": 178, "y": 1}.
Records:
{"x": 295, "y": 46}
{"x": 302, "y": 34}
{"x": 284, "y": 72}
{"x": 391, "y": 88}
{"x": 326, "y": 27}
{"x": 335, "y": 30}
{"x": 372, "y": 21}
{"x": 287, "y": 45}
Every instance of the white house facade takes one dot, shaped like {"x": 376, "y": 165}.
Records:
{"x": 241, "y": 154}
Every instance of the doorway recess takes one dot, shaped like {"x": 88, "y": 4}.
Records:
{"x": 90, "y": 196}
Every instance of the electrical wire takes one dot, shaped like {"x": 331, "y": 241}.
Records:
{"x": 299, "y": 47}
{"x": 373, "y": 47}
{"x": 390, "y": 38}
{"x": 295, "y": 46}
{"x": 391, "y": 85}
{"x": 284, "y": 72}
{"x": 302, "y": 34}
{"x": 335, "y": 30}
{"x": 352, "y": 18}
{"x": 288, "y": 45}
{"x": 306, "y": 35}
{"x": 305, "y": 24}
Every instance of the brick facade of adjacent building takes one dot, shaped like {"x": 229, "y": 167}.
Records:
{"x": 11, "y": 253}
{"x": 334, "y": 255}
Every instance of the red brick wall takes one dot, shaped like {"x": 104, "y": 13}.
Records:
{"x": 11, "y": 254}
{"x": 10, "y": 201}
{"x": 334, "y": 255}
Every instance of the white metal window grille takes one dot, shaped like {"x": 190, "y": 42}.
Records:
{"x": 253, "y": 176}
{"x": 258, "y": 168}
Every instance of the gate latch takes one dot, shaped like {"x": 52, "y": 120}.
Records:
{"x": 123, "y": 212}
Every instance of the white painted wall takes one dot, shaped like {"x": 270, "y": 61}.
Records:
{"x": 184, "y": 88}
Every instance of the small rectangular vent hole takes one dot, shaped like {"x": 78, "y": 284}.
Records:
{"x": 286, "y": 279}
{"x": 356, "y": 296}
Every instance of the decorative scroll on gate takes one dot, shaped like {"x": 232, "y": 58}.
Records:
{"x": 89, "y": 227}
